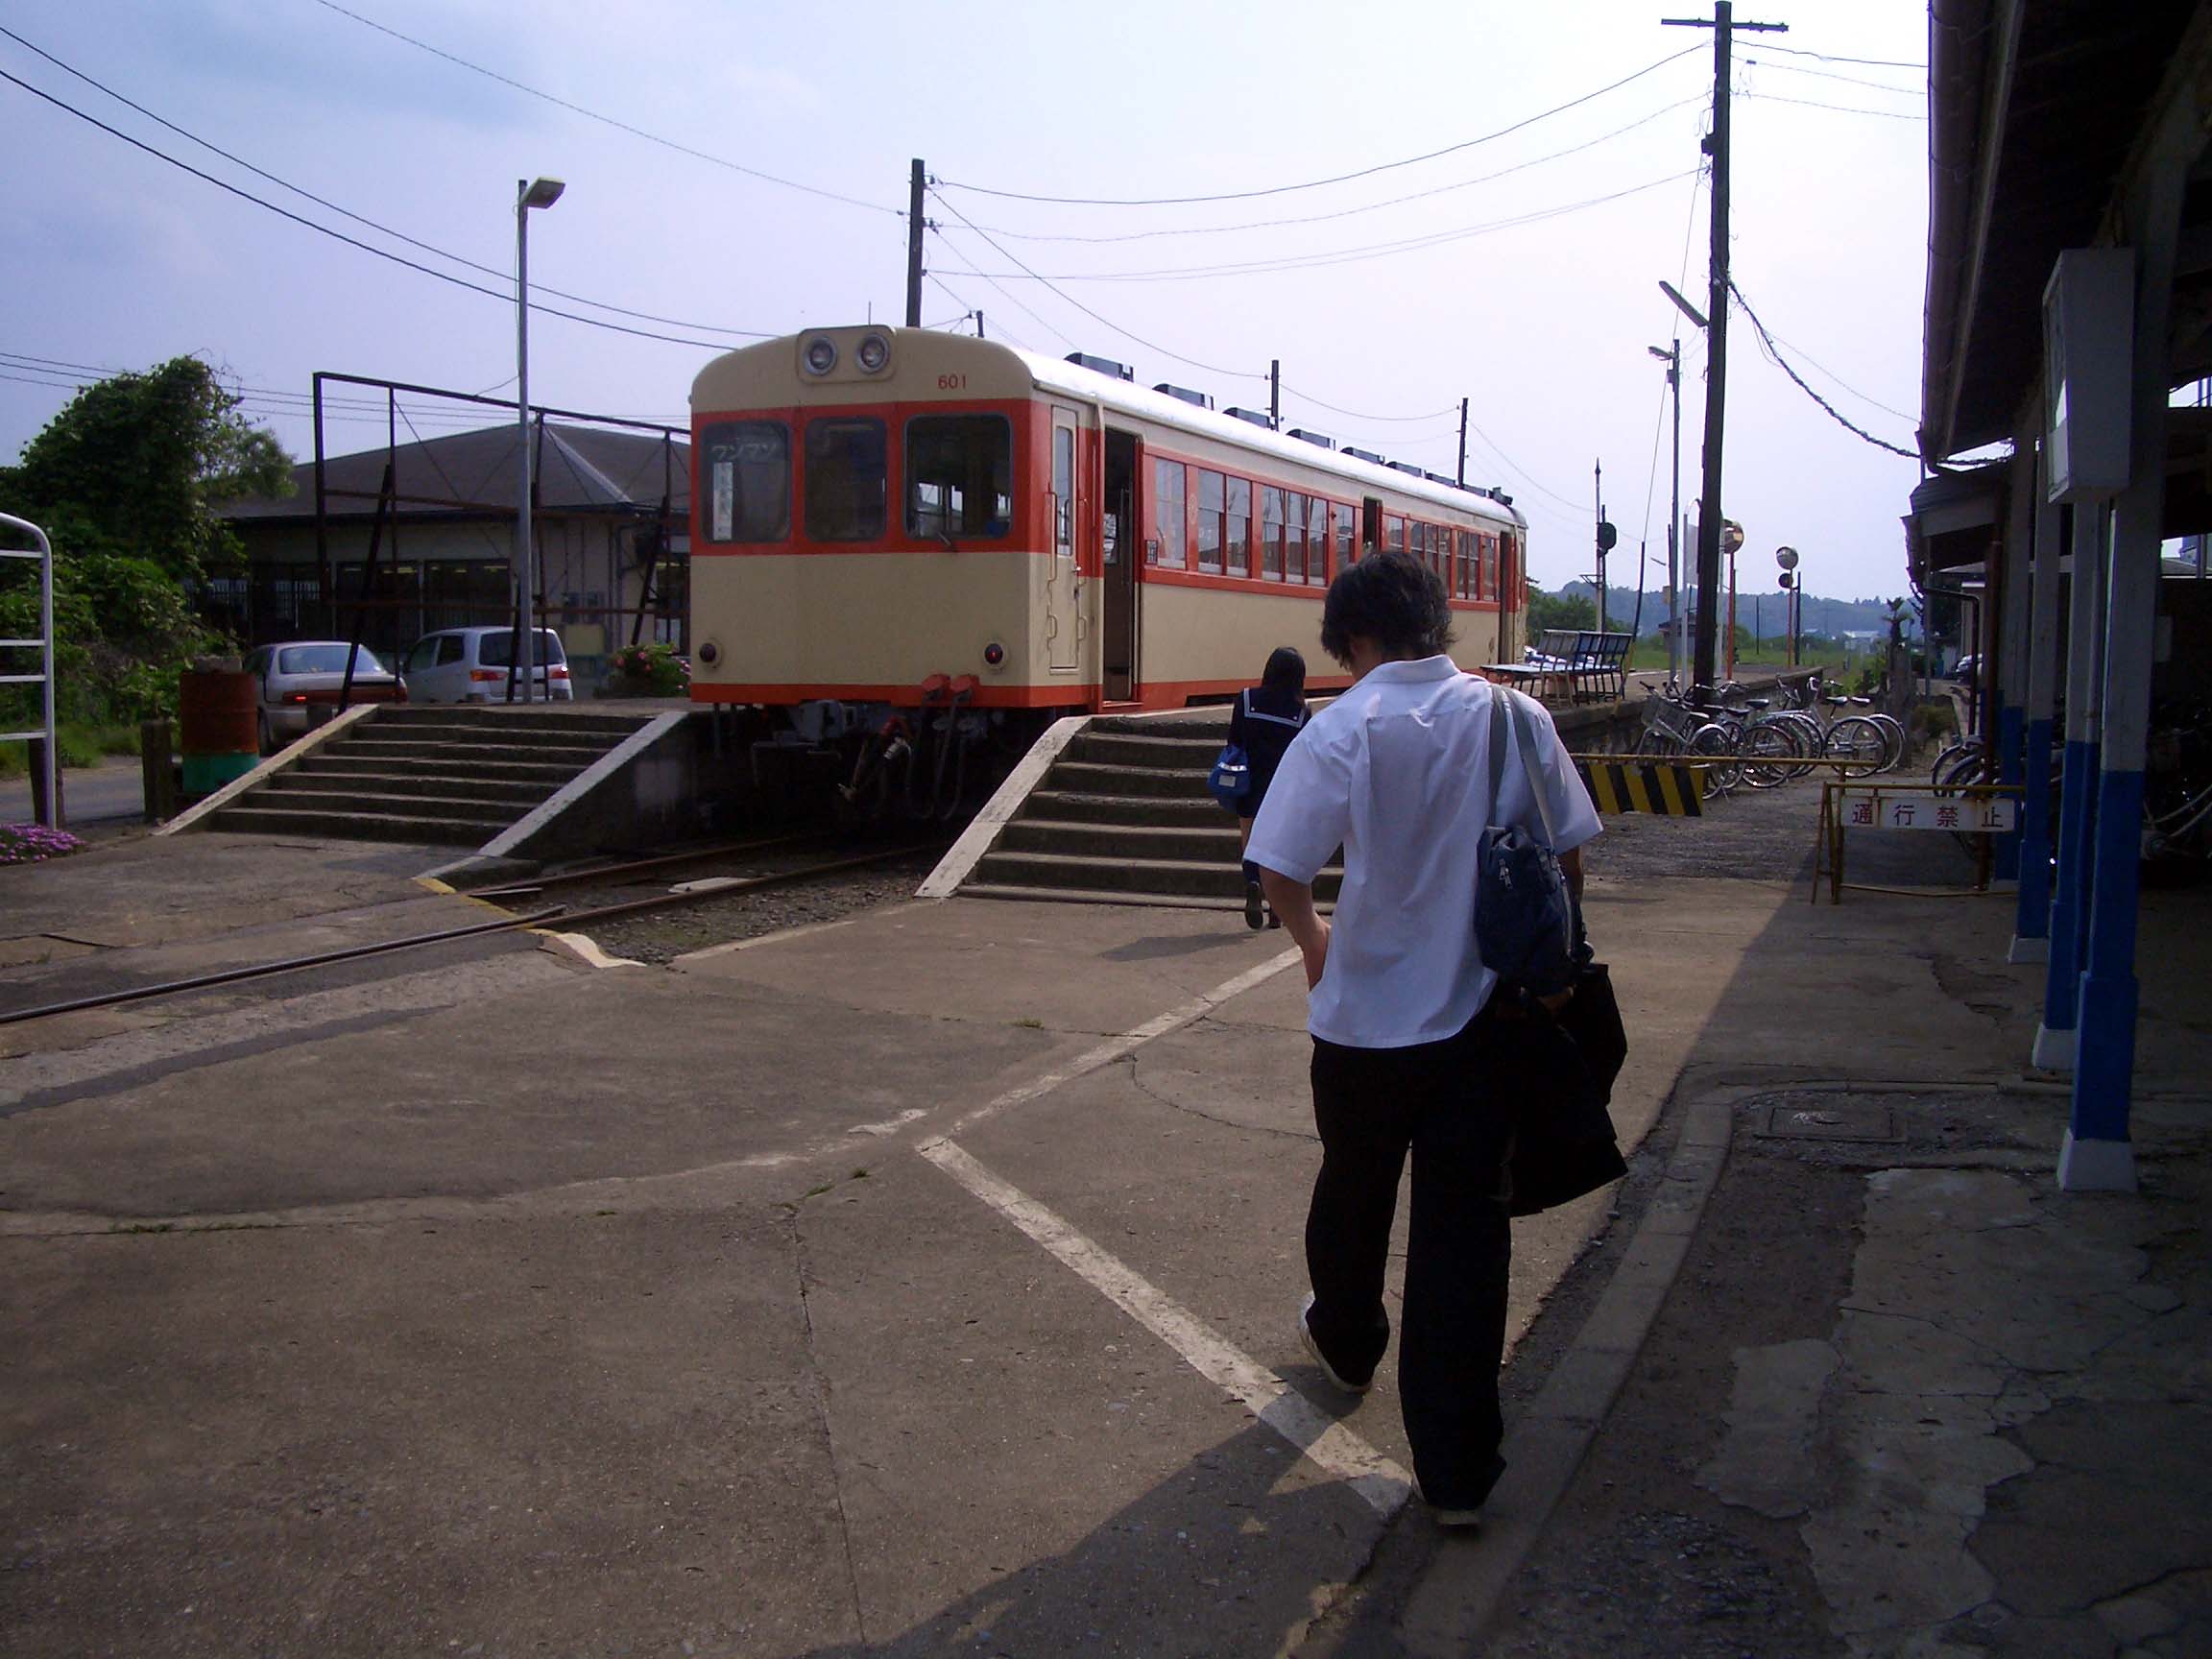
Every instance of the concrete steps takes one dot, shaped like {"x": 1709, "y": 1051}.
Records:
{"x": 450, "y": 775}
{"x": 1122, "y": 817}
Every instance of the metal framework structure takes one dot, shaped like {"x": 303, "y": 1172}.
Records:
{"x": 49, "y": 760}
{"x": 346, "y": 616}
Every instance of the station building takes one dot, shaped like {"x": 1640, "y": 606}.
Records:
{"x": 2068, "y": 332}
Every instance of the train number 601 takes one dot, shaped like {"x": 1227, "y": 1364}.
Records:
{"x": 951, "y": 382}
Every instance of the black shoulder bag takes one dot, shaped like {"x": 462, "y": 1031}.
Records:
{"x": 1560, "y": 1064}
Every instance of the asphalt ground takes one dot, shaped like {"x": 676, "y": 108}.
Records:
{"x": 485, "y": 1298}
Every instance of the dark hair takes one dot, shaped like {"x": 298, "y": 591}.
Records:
{"x": 1285, "y": 671}
{"x": 1391, "y": 598}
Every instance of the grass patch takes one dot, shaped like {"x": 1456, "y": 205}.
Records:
{"x": 81, "y": 744}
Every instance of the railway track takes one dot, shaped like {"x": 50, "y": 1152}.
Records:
{"x": 632, "y": 873}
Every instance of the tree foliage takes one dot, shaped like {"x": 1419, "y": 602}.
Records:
{"x": 126, "y": 481}
{"x": 1575, "y": 610}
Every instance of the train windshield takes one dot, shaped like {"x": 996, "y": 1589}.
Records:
{"x": 748, "y": 480}
{"x": 846, "y": 479}
{"x": 959, "y": 475}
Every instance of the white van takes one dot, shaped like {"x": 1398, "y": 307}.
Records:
{"x": 477, "y": 665}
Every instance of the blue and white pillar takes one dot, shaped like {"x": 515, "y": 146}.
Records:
{"x": 2007, "y": 666}
{"x": 2055, "y": 1038}
{"x": 2031, "y": 930}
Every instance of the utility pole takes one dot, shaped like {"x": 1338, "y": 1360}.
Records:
{"x": 1274, "y": 393}
{"x": 914, "y": 228}
{"x": 1723, "y": 25}
{"x": 1673, "y": 358}
{"x": 1463, "y": 447}
{"x": 1598, "y": 500}
{"x": 978, "y": 325}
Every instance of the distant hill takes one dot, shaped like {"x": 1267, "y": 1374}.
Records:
{"x": 1821, "y": 616}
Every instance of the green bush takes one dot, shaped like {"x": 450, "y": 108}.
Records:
{"x": 652, "y": 670}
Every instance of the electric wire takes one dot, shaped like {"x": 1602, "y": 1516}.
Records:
{"x": 1012, "y": 338}
{"x": 1320, "y": 261}
{"x": 1832, "y": 57}
{"x": 1177, "y": 357}
{"x": 1846, "y": 80}
{"x": 609, "y": 120}
{"x": 1358, "y": 415}
{"x": 1012, "y": 300}
{"x": 1350, "y": 213}
{"x": 1311, "y": 184}
{"x": 355, "y": 241}
{"x": 1840, "y": 109}
{"x": 1767, "y": 343}
{"x": 360, "y": 218}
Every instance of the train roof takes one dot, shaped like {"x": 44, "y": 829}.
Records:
{"x": 1090, "y": 385}
{"x": 728, "y": 380}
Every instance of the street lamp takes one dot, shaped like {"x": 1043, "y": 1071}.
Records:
{"x": 1672, "y": 357}
{"x": 534, "y": 193}
{"x": 1792, "y": 596}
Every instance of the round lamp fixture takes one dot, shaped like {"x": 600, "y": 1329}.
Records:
{"x": 821, "y": 356}
{"x": 710, "y": 653}
{"x": 994, "y": 654}
{"x": 871, "y": 353}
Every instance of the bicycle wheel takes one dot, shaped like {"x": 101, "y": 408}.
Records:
{"x": 1653, "y": 743}
{"x": 1894, "y": 735}
{"x": 1718, "y": 745}
{"x": 1858, "y": 741}
{"x": 1770, "y": 755}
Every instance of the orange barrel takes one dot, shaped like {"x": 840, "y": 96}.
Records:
{"x": 217, "y": 727}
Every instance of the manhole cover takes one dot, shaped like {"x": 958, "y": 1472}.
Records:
{"x": 1840, "y": 1120}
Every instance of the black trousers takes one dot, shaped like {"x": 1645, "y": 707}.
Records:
{"x": 1446, "y": 1105}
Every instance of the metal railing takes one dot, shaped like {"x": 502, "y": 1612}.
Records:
{"x": 48, "y": 755}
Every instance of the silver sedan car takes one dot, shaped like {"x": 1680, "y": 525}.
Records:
{"x": 299, "y": 683}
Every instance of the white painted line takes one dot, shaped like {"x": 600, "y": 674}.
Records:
{"x": 707, "y": 953}
{"x": 983, "y": 829}
{"x": 1333, "y": 1446}
{"x": 1127, "y": 1043}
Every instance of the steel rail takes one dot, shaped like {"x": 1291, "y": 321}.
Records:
{"x": 737, "y": 884}
{"x": 288, "y": 965}
{"x": 615, "y": 872}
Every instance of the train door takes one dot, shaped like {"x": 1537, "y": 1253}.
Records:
{"x": 1118, "y": 552}
{"x": 1064, "y": 582}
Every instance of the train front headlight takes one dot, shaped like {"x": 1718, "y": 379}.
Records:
{"x": 821, "y": 356}
{"x": 871, "y": 353}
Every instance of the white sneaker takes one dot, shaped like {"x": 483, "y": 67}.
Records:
{"x": 1313, "y": 1351}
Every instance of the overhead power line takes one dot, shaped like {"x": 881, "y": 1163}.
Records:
{"x": 1332, "y": 256}
{"x": 1352, "y": 212}
{"x": 1831, "y": 58}
{"x": 346, "y": 212}
{"x": 1313, "y": 183}
{"x": 1177, "y": 357}
{"x": 1846, "y": 80}
{"x": 1774, "y": 356}
{"x": 1840, "y": 109}
{"x": 355, "y": 241}
{"x": 574, "y": 109}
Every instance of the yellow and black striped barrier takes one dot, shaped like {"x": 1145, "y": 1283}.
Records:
{"x": 1670, "y": 789}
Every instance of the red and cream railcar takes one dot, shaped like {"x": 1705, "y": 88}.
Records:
{"x": 891, "y": 518}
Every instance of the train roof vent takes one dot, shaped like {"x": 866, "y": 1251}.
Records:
{"x": 1184, "y": 394}
{"x": 1105, "y": 365}
{"x": 1500, "y": 496}
{"x": 1363, "y": 454}
{"x": 1305, "y": 437}
{"x": 1255, "y": 417}
{"x": 1438, "y": 478}
{"x": 1405, "y": 466}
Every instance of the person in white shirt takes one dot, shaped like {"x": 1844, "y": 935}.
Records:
{"x": 1407, "y": 1052}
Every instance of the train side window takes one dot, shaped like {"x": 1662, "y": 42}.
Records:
{"x": 1347, "y": 535}
{"x": 1315, "y": 515}
{"x": 1273, "y": 533}
{"x": 1394, "y": 533}
{"x": 847, "y": 468}
{"x": 1213, "y": 520}
{"x": 959, "y": 476}
{"x": 1469, "y": 542}
{"x": 1237, "y": 539}
{"x": 1166, "y": 544}
{"x": 1490, "y": 567}
{"x": 748, "y": 480}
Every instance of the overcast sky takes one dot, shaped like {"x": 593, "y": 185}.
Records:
{"x": 1532, "y": 291}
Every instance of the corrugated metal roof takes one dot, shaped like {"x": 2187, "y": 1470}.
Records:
{"x": 476, "y": 474}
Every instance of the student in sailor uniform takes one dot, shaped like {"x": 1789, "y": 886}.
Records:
{"x": 1264, "y": 719}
